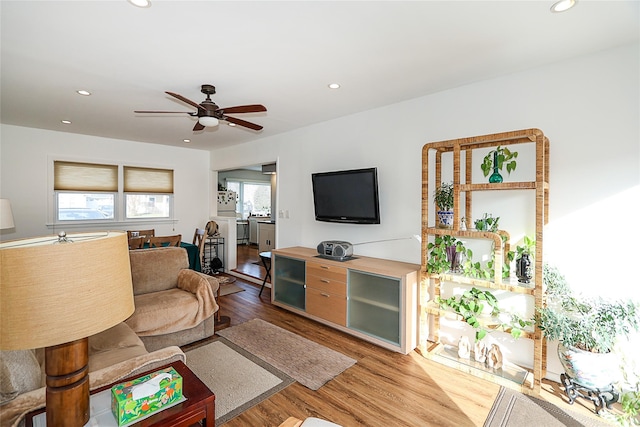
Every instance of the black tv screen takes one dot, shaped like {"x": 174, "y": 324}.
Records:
{"x": 349, "y": 196}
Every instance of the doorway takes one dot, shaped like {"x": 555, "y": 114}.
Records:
{"x": 255, "y": 186}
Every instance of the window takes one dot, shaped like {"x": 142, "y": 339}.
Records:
{"x": 84, "y": 191}
{"x": 254, "y": 198}
{"x": 90, "y": 192}
{"x": 148, "y": 192}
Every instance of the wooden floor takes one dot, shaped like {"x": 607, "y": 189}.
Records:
{"x": 383, "y": 388}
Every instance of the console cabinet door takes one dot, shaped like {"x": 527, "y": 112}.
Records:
{"x": 374, "y": 305}
{"x": 289, "y": 281}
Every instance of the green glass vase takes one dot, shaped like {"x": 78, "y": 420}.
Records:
{"x": 495, "y": 176}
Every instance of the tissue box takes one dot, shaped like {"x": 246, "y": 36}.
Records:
{"x": 132, "y": 400}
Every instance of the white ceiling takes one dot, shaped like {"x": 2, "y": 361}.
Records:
{"x": 280, "y": 54}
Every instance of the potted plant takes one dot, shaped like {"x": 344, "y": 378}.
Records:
{"x": 471, "y": 304}
{"x": 524, "y": 259}
{"x": 587, "y": 329}
{"x": 629, "y": 388}
{"x": 495, "y": 160}
{"x": 443, "y": 198}
{"x": 444, "y": 254}
{"x": 475, "y": 302}
{"x": 487, "y": 223}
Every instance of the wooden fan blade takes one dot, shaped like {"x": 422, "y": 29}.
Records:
{"x": 183, "y": 99}
{"x": 172, "y": 112}
{"x": 253, "y": 108}
{"x": 198, "y": 127}
{"x": 244, "y": 123}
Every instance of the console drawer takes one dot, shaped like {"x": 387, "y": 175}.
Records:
{"x": 326, "y": 271}
{"x": 332, "y": 308}
{"x": 325, "y": 285}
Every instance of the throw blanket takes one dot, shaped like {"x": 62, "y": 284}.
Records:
{"x": 174, "y": 310}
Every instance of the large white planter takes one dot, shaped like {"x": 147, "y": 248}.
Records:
{"x": 591, "y": 370}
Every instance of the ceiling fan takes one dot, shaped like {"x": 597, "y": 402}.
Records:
{"x": 209, "y": 113}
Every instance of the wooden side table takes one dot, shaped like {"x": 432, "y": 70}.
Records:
{"x": 199, "y": 408}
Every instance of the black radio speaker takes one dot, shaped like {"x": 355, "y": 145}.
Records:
{"x": 334, "y": 249}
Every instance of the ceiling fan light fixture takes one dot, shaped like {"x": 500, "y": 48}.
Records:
{"x": 563, "y": 5}
{"x": 208, "y": 121}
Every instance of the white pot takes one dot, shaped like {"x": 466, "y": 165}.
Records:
{"x": 592, "y": 370}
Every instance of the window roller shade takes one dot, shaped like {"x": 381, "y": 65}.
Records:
{"x": 148, "y": 180}
{"x": 71, "y": 176}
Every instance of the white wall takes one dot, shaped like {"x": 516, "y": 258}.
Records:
{"x": 588, "y": 107}
{"x": 25, "y": 159}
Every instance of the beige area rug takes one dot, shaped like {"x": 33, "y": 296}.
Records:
{"x": 514, "y": 409}
{"x": 308, "y": 362}
{"x": 237, "y": 378}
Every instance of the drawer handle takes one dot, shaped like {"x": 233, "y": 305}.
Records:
{"x": 324, "y": 295}
{"x": 324, "y": 266}
{"x": 325, "y": 281}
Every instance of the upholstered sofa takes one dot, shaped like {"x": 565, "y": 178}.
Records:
{"x": 174, "y": 305}
{"x": 113, "y": 355}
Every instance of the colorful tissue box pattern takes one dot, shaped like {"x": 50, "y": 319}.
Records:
{"x": 126, "y": 409}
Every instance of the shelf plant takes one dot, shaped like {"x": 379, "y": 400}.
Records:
{"x": 497, "y": 159}
{"x": 441, "y": 252}
{"x": 525, "y": 254}
{"x": 487, "y": 223}
{"x": 443, "y": 198}
{"x": 472, "y": 303}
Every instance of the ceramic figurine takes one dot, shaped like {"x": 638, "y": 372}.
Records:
{"x": 464, "y": 348}
{"x": 480, "y": 351}
{"x": 494, "y": 357}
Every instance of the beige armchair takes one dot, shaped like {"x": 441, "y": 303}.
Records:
{"x": 174, "y": 305}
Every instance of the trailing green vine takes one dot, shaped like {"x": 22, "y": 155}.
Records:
{"x": 471, "y": 304}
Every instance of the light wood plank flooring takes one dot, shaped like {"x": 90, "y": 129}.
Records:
{"x": 382, "y": 389}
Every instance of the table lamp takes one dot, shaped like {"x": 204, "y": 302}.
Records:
{"x": 55, "y": 292}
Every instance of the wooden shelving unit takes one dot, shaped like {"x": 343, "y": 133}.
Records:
{"x": 462, "y": 150}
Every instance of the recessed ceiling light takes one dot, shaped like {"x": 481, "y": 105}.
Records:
{"x": 140, "y": 3}
{"x": 186, "y": 140}
{"x": 563, "y": 5}
{"x": 334, "y": 86}
{"x": 66, "y": 122}
{"x": 231, "y": 124}
{"x": 83, "y": 92}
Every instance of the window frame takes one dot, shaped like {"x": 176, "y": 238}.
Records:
{"x": 240, "y": 199}
{"x": 119, "y": 196}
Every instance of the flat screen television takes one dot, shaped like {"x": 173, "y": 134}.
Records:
{"x": 348, "y": 196}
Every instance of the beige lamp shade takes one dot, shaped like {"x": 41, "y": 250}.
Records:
{"x": 6, "y": 216}
{"x": 55, "y": 292}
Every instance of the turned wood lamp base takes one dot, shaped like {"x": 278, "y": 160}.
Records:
{"x": 67, "y": 371}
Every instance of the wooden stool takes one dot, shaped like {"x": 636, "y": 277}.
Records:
{"x": 266, "y": 261}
